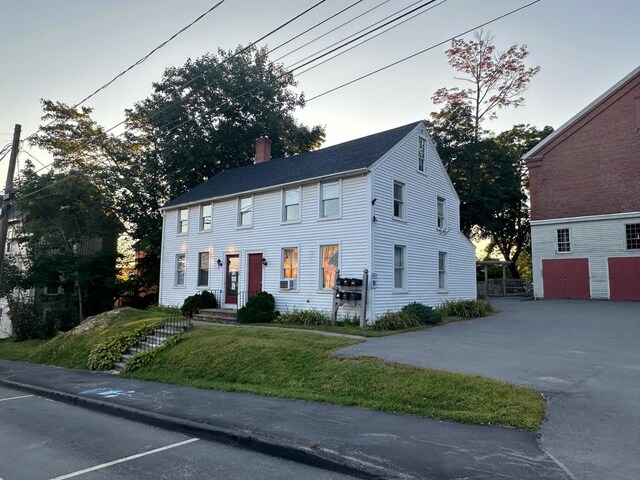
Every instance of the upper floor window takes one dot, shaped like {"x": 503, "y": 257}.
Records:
{"x": 398, "y": 200}
{"x": 633, "y": 236}
{"x": 442, "y": 270}
{"x": 181, "y": 266}
{"x": 183, "y": 220}
{"x": 330, "y": 199}
{"x": 291, "y": 205}
{"x": 203, "y": 269}
{"x": 328, "y": 265}
{"x": 205, "y": 217}
{"x": 441, "y": 213}
{"x": 421, "y": 154}
{"x": 289, "y": 271}
{"x": 245, "y": 211}
{"x": 399, "y": 267}
{"x": 564, "y": 241}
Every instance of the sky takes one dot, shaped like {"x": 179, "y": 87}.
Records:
{"x": 63, "y": 50}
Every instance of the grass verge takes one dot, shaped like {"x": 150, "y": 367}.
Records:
{"x": 71, "y": 349}
{"x": 299, "y": 365}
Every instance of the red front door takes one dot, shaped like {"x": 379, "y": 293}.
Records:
{"x": 255, "y": 273}
{"x": 232, "y": 279}
{"x": 566, "y": 278}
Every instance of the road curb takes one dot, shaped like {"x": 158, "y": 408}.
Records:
{"x": 315, "y": 457}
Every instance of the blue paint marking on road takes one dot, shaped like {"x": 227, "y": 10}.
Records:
{"x": 109, "y": 392}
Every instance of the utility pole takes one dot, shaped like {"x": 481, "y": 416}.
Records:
{"x": 7, "y": 199}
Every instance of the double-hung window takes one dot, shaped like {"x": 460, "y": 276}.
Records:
{"x": 564, "y": 240}
{"x": 245, "y": 211}
{"x": 442, "y": 270}
{"x": 441, "y": 213}
{"x": 421, "y": 154}
{"x": 203, "y": 269}
{"x": 399, "y": 200}
{"x": 291, "y": 205}
{"x": 181, "y": 266}
{"x": 289, "y": 271}
{"x": 329, "y": 257}
{"x": 632, "y": 233}
{"x": 205, "y": 217}
{"x": 330, "y": 199}
{"x": 183, "y": 220}
{"x": 399, "y": 267}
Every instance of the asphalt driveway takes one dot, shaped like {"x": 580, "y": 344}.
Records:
{"x": 584, "y": 355}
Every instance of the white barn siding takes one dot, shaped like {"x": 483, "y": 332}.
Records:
{"x": 595, "y": 237}
{"x": 268, "y": 236}
{"x": 419, "y": 232}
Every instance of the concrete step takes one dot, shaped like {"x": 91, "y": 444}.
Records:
{"x": 213, "y": 319}
{"x": 119, "y": 366}
{"x": 219, "y": 312}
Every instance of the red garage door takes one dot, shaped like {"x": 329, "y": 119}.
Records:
{"x": 566, "y": 278}
{"x": 624, "y": 278}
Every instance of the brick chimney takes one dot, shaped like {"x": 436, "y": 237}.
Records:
{"x": 263, "y": 149}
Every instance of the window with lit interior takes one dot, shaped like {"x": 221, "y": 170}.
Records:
{"x": 329, "y": 255}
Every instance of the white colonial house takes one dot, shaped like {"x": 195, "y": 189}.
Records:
{"x": 383, "y": 203}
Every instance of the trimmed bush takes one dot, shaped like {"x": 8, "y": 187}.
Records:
{"x": 466, "y": 308}
{"x": 395, "y": 321}
{"x": 426, "y": 315}
{"x": 195, "y": 303}
{"x": 305, "y": 317}
{"x": 259, "y": 309}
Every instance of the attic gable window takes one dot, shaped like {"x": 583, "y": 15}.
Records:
{"x": 183, "y": 220}
{"x": 245, "y": 211}
{"x": 330, "y": 200}
{"x": 441, "y": 213}
{"x": 421, "y": 154}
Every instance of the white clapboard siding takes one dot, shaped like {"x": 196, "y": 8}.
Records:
{"x": 419, "y": 232}
{"x": 268, "y": 235}
{"x": 596, "y": 238}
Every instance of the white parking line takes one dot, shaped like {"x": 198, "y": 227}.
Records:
{"x": 14, "y": 398}
{"x": 122, "y": 460}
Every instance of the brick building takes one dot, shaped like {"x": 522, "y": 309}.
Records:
{"x": 585, "y": 200}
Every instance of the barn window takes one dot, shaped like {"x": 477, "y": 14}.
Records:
{"x": 564, "y": 242}
{"x": 633, "y": 236}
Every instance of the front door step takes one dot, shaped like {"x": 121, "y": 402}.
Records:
{"x": 217, "y": 315}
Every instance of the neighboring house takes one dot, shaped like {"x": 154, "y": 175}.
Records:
{"x": 13, "y": 253}
{"x": 382, "y": 203}
{"x": 585, "y": 200}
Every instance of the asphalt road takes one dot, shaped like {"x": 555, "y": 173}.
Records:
{"x": 43, "y": 439}
{"x": 585, "y": 356}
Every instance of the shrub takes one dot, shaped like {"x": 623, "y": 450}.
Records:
{"x": 305, "y": 317}
{"x": 259, "y": 309}
{"x": 195, "y": 303}
{"x": 396, "y": 321}
{"x": 466, "y": 308}
{"x": 426, "y": 315}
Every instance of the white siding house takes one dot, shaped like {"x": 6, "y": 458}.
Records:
{"x": 284, "y": 225}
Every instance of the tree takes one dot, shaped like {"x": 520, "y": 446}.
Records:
{"x": 66, "y": 229}
{"x": 497, "y": 79}
{"x": 202, "y": 118}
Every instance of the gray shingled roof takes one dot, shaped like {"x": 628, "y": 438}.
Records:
{"x": 352, "y": 155}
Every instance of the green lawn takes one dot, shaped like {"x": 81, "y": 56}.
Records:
{"x": 71, "y": 349}
{"x": 301, "y": 365}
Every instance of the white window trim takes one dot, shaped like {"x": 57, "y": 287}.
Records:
{"x": 446, "y": 269}
{"x": 555, "y": 232}
{"x": 333, "y": 217}
{"x": 405, "y": 268}
{"x": 203, "y": 287}
{"x": 179, "y": 224}
{"x": 201, "y": 228}
{"x": 424, "y": 171}
{"x": 253, "y": 211}
{"x": 280, "y": 270}
{"x": 175, "y": 270}
{"x": 403, "y": 218}
{"x": 320, "y": 288}
{"x": 444, "y": 214}
{"x": 283, "y": 205}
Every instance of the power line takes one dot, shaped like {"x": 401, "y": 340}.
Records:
{"x": 33, "y": 156}
{"x": 421, "y": 51}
